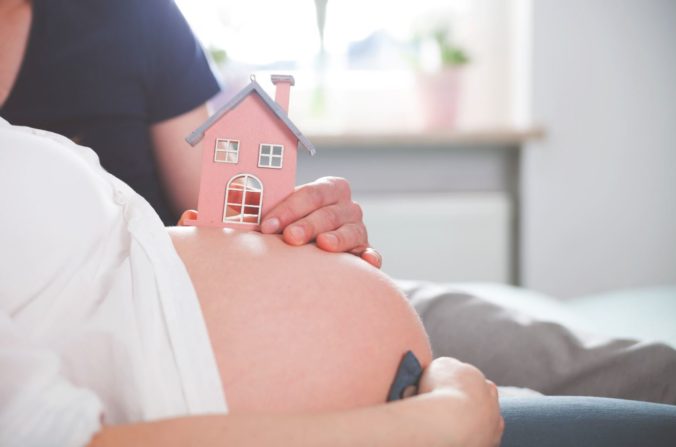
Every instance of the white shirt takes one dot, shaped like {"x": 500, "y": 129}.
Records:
{"x": 99, "y": 320}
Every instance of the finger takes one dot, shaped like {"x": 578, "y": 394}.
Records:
{"x": 306, "y": 199}
{"x": 325, "y": 220}
{"x": 187, "y": 214}
{"x": 372, "y": 257}
{"x": 350, "y": 237}
{"x": 493, "y": 389}
{"x": 440, "y": 373}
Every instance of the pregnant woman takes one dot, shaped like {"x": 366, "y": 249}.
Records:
{"x": 103, "y": 314}
{"x": 117, "y": 331}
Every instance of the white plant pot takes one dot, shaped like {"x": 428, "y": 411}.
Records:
{"x": 439, "y": 97}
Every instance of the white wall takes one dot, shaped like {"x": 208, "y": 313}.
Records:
{"x": 444, "y": 237}
{"x": 600, "y": 192}
{"x": 483, "y": 27}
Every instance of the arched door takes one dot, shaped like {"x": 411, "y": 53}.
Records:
{"x": 243, "y": 200}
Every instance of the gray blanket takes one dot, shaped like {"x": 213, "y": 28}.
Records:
{"x": 516, "y": 349}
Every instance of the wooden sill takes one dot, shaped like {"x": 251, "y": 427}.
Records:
{"x": 508, "y": 138}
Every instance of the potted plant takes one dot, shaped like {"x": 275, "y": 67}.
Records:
{"x": 440, "y": 86}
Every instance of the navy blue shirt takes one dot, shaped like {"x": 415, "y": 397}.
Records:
{"x": 101, "y": 72}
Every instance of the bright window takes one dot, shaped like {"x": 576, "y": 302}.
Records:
{"x": 227, "y": 151}
{"x": 270, "y": 156}
{"x": 243, "y": 200}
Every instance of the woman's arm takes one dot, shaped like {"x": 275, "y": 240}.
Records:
{"x": 408, "y": 423}
{"x": 179, "y": 163}
{"x": 460, "y": 410}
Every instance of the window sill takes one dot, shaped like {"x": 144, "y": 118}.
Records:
{"x": 507, "y": 138}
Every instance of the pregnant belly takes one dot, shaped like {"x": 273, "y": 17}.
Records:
{"x": 296, "y": 328}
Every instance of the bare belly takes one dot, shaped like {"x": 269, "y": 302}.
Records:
{"x": 296, "y": 328}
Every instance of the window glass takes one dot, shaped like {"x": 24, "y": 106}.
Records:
{"x": 226, "y": 151}
{"x": 251, "y": 210}
{"x": 221, "y": 156}
{"x": 243, "y": 200}
{"x": 253, "y": 197}
{"x": 232, "y": 210}
{"x": 270, "y": 156}
{"x": 249, "y": 218}
{"x": 253, "y": 184}
{"x": 238, "y": 183}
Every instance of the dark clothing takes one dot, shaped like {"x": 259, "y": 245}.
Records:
{"x": 101, "y": 72}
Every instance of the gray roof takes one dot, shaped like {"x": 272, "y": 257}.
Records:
{"x": 197, "y": 135}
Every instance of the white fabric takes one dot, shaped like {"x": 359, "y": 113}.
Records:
{"x": 98, "y": 318}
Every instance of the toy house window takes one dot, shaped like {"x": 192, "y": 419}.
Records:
{"x": 227, "y": 151}
{"x": 270, "y": 156}
{"x": 243, "y": 200}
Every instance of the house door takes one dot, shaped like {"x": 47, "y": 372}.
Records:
{"x": 243, "y": 200}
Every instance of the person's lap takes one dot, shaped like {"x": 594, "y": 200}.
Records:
{"x": 586, "y": 422}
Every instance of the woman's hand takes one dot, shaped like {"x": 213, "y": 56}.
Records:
{"x": 474, "y": 411}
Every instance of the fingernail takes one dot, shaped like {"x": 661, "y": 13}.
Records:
{"x": 297, "y": 233}
{"x": 270, "y": 225}
{"x": 374, "y": 258}
{"x": 331, "y": 239}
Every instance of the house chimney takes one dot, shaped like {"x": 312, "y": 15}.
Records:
{"x": 283, "y": 83}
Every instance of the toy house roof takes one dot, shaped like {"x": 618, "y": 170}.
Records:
{"x": 197, "y": 135}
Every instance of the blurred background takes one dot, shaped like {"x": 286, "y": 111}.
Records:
{"x": 519, "y": 142}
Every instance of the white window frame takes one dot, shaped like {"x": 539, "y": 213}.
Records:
{"x": 226, "y": 150}
{"x": 239, "y": 218}
{"x": 271, "y": 155}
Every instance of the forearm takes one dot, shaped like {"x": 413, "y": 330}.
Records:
{"x": 179, "y": 163}
{"x": 417, "y": 421}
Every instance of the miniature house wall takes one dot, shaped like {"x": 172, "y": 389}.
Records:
{"x": 249, "y": 153}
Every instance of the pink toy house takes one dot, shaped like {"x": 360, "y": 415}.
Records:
{"x": 249, "y": 157}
